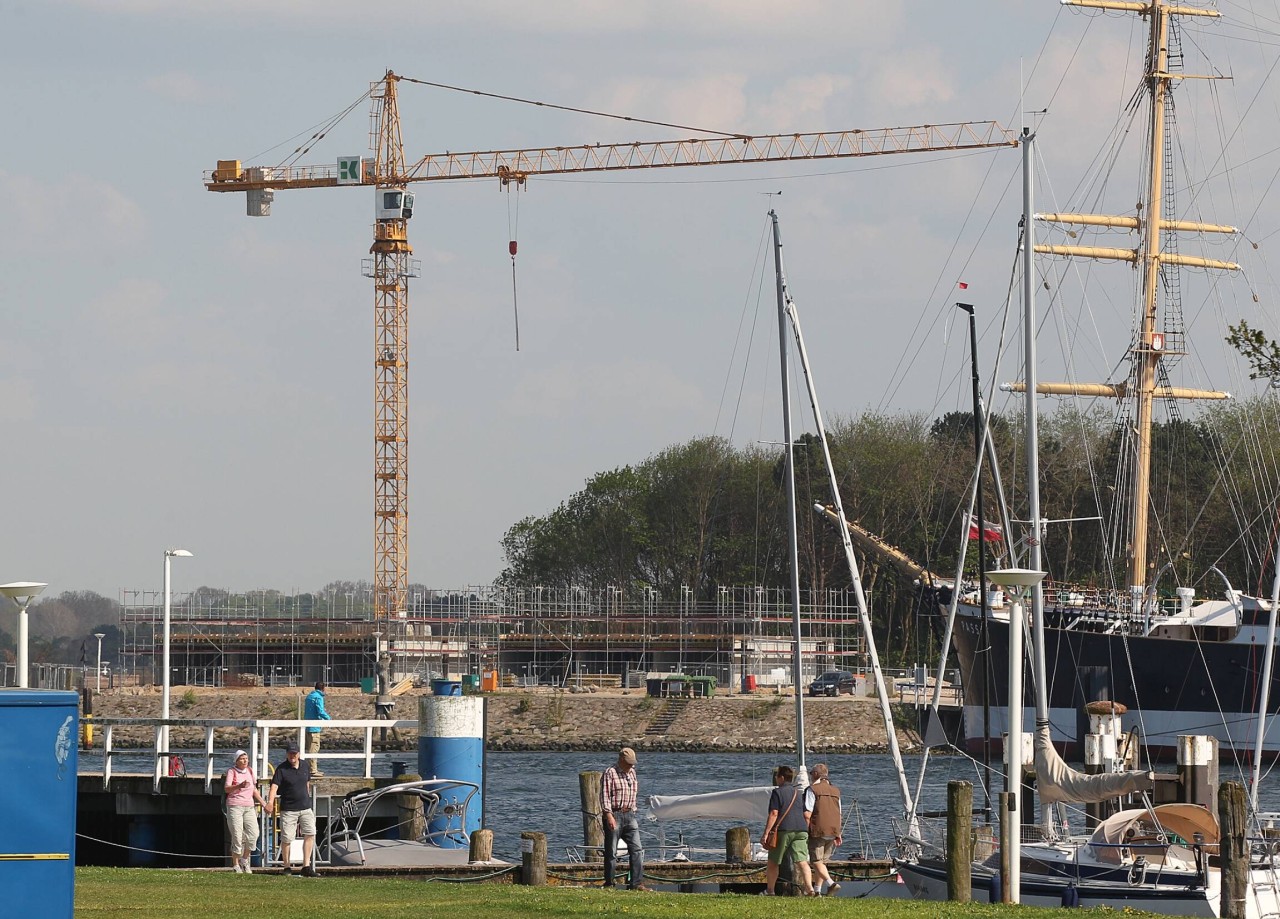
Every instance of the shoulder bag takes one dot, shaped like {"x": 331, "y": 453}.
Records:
{"x": 770, "y": 840}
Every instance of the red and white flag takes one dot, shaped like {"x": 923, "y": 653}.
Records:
{"x": 990, "y": 533}
{"x": 963, "y": 286}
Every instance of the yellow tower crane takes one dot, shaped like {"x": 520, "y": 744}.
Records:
{"x": 392, "y": 264}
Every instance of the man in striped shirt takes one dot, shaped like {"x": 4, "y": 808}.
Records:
{"x": 619, "y": 792}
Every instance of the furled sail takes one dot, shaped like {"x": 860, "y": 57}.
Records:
{"x": 750, "y": 805}
{"x": 1057, "y": 782}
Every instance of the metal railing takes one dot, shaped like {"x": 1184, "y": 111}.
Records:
{"x": 259, "y": 742}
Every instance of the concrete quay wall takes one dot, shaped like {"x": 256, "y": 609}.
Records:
{"x": 552, "y": 720}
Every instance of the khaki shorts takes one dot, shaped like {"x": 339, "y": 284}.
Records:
{"x": 821, "y": 848}
{"x": 294, "y": 822}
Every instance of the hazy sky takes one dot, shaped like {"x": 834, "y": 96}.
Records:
{"x": 174, "y": 373}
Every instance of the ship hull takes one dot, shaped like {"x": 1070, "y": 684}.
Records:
{"x": 1171, "y": 685}
{"x": 927, "y": 880}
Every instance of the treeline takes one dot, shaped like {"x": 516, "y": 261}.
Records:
{"x": 704, "y": 513}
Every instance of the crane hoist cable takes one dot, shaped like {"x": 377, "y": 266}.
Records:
{"x": 513, "y": 228}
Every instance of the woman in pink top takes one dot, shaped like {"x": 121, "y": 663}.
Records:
{"x": 241, "y": 786}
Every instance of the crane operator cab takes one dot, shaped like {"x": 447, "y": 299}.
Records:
{"x": 394, "y": 204}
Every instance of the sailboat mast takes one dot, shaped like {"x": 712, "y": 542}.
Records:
{"x": 790, "y": 314}
{"x": 790, "y": 476}
{"x": 1146, "y": 353}
{"x": 1032, "y": 424}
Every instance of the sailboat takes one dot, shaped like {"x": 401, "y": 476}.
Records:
{"x": 750, "y": 805}
{"x": 1183, "y": 664}
{"x": 1160, "y": 858}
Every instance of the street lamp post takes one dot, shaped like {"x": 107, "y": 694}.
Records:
{"x": 1019, "y": 581}
{"x": 21, "y": 593}
{"x": 164, "y": 683}
{"x": 99, "y": 636}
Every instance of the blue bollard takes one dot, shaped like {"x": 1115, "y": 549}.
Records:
{"x": 451, "y": 746}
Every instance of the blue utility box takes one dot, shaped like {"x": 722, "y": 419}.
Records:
{"x": 38, "y": 731}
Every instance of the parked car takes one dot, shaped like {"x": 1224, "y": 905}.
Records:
{"x": 832, "y": 683}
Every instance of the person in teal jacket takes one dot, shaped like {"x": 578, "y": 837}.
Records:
{"x": 314, "y": 711}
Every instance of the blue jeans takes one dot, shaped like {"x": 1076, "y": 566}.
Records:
{"x": 626, "y": 827}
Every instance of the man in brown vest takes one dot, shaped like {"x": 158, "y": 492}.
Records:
{"x": 825, "y": 825}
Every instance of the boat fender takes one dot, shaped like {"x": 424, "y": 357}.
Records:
{"x": 994, "y": 893}
{"x": 1071, "y": 896}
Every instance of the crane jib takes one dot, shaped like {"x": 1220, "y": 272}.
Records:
{"x": 716, "y": 151}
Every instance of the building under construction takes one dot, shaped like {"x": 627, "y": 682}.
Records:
{"x": 538, "y": 636}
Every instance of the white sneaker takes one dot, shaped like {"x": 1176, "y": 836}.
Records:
{"x": 238, "y": 867}
{"x": 247, "y": 869}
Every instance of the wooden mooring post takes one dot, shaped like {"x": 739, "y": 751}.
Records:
{"x": 737, "y": 845}
{"x": 959, "y": 841}
{"x": 1006, "y": 831}
{"x": 481, "y": 846}
{"x": 1233, "y": 850}
{"x": 412, "y": 822}
{"x": 533, "y": 859}
{"x": 592, "y": 826}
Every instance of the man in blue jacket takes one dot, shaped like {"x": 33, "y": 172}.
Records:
{"x": 314, "y": 711}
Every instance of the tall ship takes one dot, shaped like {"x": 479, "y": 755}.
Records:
{"x": 1183, "y": 651}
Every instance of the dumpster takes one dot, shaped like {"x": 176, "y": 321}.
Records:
{"x": 38, "y": 799}
{"x": 446, "y": 688}
{"x": 368, "y": 685}
{"x": 471, "y": 684}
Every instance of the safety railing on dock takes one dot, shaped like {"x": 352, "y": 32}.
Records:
{"x": 259, "y": 732}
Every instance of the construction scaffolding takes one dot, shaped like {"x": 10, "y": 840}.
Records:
{"x": 534, "y": 636}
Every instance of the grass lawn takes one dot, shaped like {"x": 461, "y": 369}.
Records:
{"x": 149, "y": 893}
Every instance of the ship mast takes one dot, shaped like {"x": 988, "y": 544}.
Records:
{"x": 1146, "y": 355}
{"x": 1149, "y": 347}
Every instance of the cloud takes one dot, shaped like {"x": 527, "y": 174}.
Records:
{"x": 132, "y": 314}
{"x": 651, "y": 391}
{"x": 911, "y": 79}
{"x": 820, "y": 20}
{"x": 77, "y": 215}
{"x": 18, "y": 402}
{"x": 803, "y": 103}
{"x": 178, "y": 86}
{"x": 715, "y": 101}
